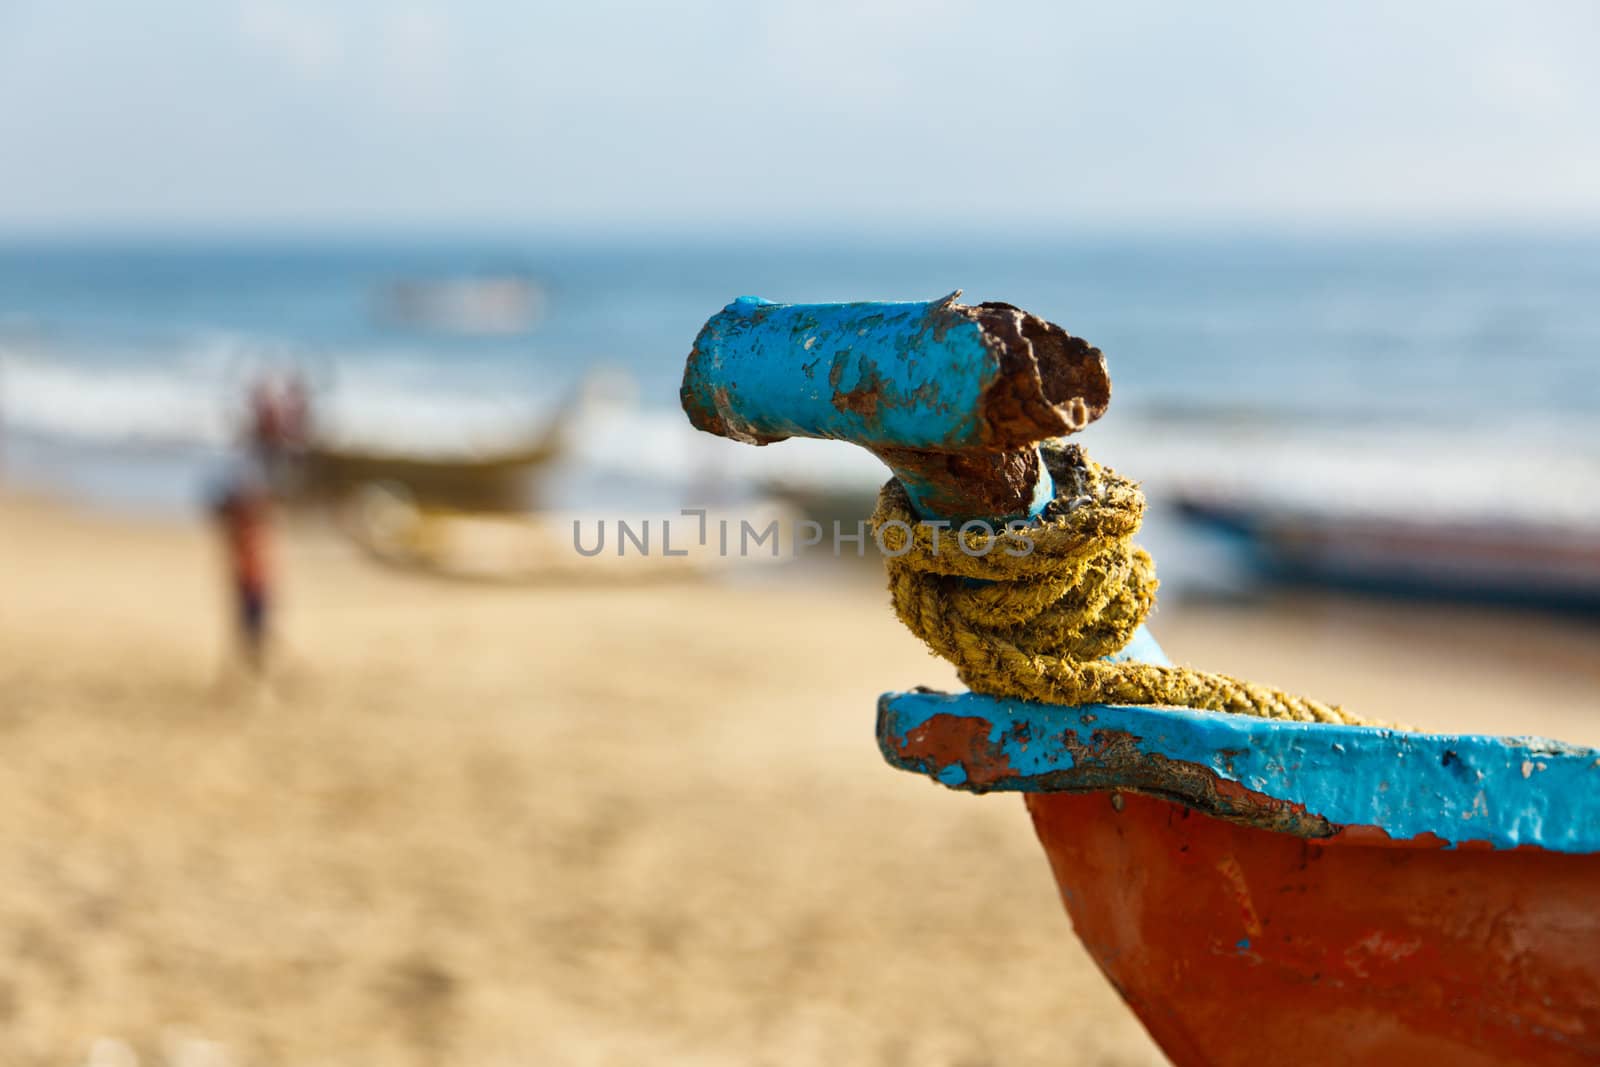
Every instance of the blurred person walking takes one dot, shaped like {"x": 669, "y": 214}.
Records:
{"x": 278, "y": 429}
{"x": 242, "y": 508}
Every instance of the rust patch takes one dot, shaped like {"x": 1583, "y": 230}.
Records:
{"x": 1109, "y": 760}
{"x": 701, "y": 415}
{"x": 956, "y": 740}
{"x": 1050, "y": 384}
{"x": 870, "y": 390}
{"x": 1113, "y": 759}
{"x": 944, "y": 315}
{"x": 716, "y": 417}
{"x": 962, "y": 485}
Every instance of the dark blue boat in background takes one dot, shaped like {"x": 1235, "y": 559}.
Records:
{"x": 1502, "y": 560}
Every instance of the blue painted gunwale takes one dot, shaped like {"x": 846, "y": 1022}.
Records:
{"x": 1503, "y": 791}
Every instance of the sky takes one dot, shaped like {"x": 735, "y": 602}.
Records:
{"x": 857, "y": 115}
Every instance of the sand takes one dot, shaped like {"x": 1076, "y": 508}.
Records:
{"x": 479, "y": 824}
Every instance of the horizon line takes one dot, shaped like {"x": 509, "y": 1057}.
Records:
{"x": 843, "y": 232}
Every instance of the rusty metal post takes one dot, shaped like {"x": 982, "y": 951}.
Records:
{"x": 954, "y": 398}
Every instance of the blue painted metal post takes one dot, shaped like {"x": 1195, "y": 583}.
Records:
{"x": 955, "y": 399}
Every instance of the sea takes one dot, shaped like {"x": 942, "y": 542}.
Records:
{"x": 1451, "y": 372}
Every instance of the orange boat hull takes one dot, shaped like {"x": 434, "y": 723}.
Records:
{"x": 1240, "y": 945}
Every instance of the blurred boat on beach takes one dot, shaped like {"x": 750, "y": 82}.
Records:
{"x": 500, "y": 481}
{"x": 553, "y": 547}
{"x": 831, "y": 504}
{"x": 488, "y": 305}
{"x": 1506, "y": 559}
{"x": 495, "y": 480}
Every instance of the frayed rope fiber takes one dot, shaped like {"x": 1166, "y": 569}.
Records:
{"x": 1038, "y": 622}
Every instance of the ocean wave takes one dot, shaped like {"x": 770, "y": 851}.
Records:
{"x": 96, "y": 405}
{"x": 404, "y": 401}
{"x": 197, "y": 396}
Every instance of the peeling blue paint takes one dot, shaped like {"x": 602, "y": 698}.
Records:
{"x": 920, "y": 368}
{"x": 1504, "y": 791}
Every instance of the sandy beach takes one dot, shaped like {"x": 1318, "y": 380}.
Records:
{"x": 479, "y": 824}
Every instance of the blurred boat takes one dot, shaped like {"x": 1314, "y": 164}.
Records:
{"x": 499, "y": 481}
{"x": 1508, "y": 559}
{"x": 503, "y": 480}
{"x": 496, "y": 304}
{"x": 544, "y": 547}
{"x": 825, "y": 503}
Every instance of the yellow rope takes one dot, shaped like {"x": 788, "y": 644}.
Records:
{"x": 1053, "y": 599}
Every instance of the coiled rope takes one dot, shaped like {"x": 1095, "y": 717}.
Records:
{"x": 1053, "y": 599}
